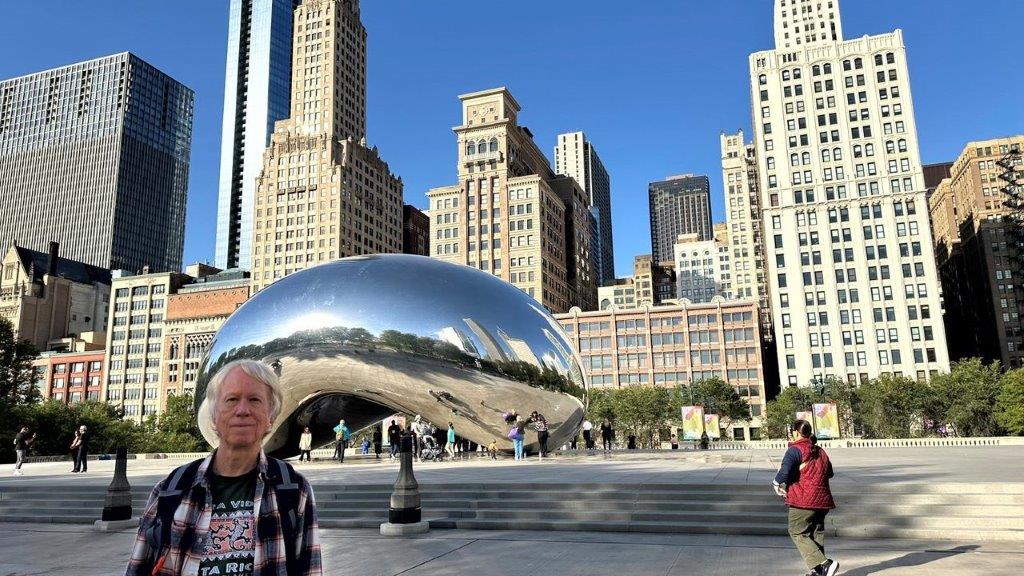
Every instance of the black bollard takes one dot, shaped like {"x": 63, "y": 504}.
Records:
{"x": 404, "y": 514}
{"x": 117, "y": 507}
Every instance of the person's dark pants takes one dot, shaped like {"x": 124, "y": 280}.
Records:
{"x": 305, "y": 453}
{"x": 377, "y": 449}
{"x": 807, "y": 529}
{"x": 81, "y": 460}
{"x": 542, "y": 438}
{"x": 588, "y": 440}
{"x": 339, "y": 450}
{"x": 606, "y": 443}
{"x": 572, "y": 445}
{"x": 394, "y": 447}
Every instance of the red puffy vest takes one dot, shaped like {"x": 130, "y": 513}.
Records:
{"x": 811, "y": 490}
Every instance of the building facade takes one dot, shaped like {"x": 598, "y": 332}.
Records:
{"x": 48, "y": 298}
{"x": 194, "y": 314}
{"x": 322, "y": 193}
{"x": 257, "y": 93}
{"x": 70, "y": 377}
{"x": 621, "y": 294}
{"x": 510, "y": 215}
{"x": 674, "y": 346}
{"x": 95, "y": 156}
{"x": 415, "y": 231}
{"x": 702, "y": 269}
{"x": 576, "y": 157}
{"x": 977, "y": 249}
{"x": 745, "y": 226}
{"x": 852, "y": 274}
{"x": 678, "y": 205}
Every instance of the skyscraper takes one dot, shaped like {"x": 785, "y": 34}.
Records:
{"x": 322, "y": 193}
{"x": 743, "y": 217}
{"x": 510, "y": 215}
{"x": 257, "y": 93}
{"x": 576, "y": 157}
{"x": 851, "y": 268}
{"x": 95, "y": 156}
{"x": 678, "y": 205}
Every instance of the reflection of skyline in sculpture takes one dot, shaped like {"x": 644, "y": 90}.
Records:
{"x": 363, "y": 338}
{"x": 490, "y": 343}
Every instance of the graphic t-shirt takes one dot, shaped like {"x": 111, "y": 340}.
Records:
{"x": 231, "y": 546}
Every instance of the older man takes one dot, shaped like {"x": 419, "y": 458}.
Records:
{"x": 237, "y": 511}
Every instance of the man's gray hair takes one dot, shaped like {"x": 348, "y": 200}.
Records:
{"x": 256, "y": 370}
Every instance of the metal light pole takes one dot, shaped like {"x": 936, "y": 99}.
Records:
{"x": 117, "y": 507}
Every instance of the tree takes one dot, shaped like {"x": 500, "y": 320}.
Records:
{"x": 601, "y": 405}
{"x": 17, "y": 378}
{"x": 780, "y": 412}
{"x": 178, "y": 428}
{"x": 890, "y": 406}
{"x": 843, "y": 394}
{"x": 642, "y": 410}
{"x": 966, "y": 398}
{"x": 1010, "y": 402}
{"x": 717, "y": 397}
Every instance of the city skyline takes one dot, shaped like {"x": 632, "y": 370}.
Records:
{"x": 678, "y": 131}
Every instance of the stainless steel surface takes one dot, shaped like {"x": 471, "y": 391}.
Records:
{"x": 362, "y": 338}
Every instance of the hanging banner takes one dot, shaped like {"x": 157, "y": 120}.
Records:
{"x": 711, "y": 426}
{"x": 826, "y": 421}
{"x": 806, "y": 417}
{"x": 693, "y": 422}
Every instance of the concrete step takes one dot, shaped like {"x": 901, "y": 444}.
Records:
{"x": 887, "y": 531}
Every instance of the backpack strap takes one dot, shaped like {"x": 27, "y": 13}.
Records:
{"x": 171, "y": 493}
{"x": 286, "y": 489}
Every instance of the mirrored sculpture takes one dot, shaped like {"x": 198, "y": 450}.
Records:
{"x": 365, "y": 337}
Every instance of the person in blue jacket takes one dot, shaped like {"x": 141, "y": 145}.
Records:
{"x": 341, "y": 439}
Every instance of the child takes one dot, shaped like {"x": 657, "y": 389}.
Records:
{"x": 493, "y": 449}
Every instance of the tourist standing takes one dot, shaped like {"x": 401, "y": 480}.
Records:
{"x": 517, "y": 434}
{"x": 675, "y": 442}
{"x": 394, "y": 438}
{"x": 607, "y": 434}
{"x": 305, "y": 444}
{"x": 588, "y": 434}
{"x": 803, "y": 481}
{"x": 493, "y": 449}
{"x": 631, "y": 441}
{"x": 341, "y": 437}
{"x": 449, "y": 446}
{"x": 540, "y": 424}
{"x": 80, "y": 450}
{"x": 377, "y": 441}
{"x": 21, "y": 443}
{"x": 237, "y": 510}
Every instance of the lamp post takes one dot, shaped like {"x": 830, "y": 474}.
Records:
{"x": 117, "y": 507}
{"x": 404, "y": 514}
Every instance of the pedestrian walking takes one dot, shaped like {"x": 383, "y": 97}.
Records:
{"x": 493, "y": 449}
{"x": 803, "y": 481}
{"x": 364, "y": 446}
{"x": 516, "y": 434}
{"x": 631, "y": 441}
{"x": 21, "y": 443}
{"x": 305, "y": 444}
{"x": 394, "y": 438}
{"x": 236, "y": 510}
{"x": 449, "y": 446}
{"x": 675, "y": 442}
{"x": 704, "y": 441}
{"x": 588, "y": 435}
{"x": 377, "y": 441}
{"x": 420, "y": 431}
{"x": 607, "y": 434}
{"x": 80, "y": 450}
{"x": 341, "y": 437}
{"x": 540, "y": 424}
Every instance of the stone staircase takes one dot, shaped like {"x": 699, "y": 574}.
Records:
{"x": 928, "y": 511}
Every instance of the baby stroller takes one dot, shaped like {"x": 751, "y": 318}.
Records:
{"x": 431, "y": 451}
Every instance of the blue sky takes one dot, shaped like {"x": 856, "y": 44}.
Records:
{"x": 652, "y": 83}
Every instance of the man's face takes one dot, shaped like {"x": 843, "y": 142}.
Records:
{"x": 242, "y": 413}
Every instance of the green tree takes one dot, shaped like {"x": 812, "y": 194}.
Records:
{"x": 890, "y": 406}
{"x": 780, "y": 412}
{"x": 601, "y": 405}
{"x": 717, "y": 397}
{"x": 177, "y": 429}
{"x": 17, "y": 378}
{"x": 843, "y": 394}
{"x": 642, "y": 410}
{"x": 967, "y": 396}
{"x": 1010, "y": 402}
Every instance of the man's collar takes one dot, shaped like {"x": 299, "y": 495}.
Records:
{"x": 208, "y": 461}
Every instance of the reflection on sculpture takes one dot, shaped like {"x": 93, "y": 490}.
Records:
{"x": 362, "y": 338}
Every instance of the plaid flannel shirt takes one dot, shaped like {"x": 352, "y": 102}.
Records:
{"x": 269, "y": 557}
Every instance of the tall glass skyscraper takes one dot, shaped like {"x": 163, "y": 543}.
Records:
{"x": 678, "y": 205}
{"x": 95, "y": 156}
{"x": 257, "y": 93}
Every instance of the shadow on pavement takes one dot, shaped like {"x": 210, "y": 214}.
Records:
{"x": 911, "y": 559}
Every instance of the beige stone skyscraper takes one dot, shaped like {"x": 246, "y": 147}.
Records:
{"x": 743, "y": 217}
{"x": 843, "y": 200}
{"x": 322, "y": 193}
{"x": 510, "y": 215}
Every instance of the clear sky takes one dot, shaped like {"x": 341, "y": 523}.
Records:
{"x": 652, "y": 83}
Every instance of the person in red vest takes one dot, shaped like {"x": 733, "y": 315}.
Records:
{"x": 803, "y": 481}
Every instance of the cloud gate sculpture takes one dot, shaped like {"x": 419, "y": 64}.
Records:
{"x": 365, "y": 337}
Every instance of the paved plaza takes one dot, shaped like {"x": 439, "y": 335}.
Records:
{"x": 77, "y": 550}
